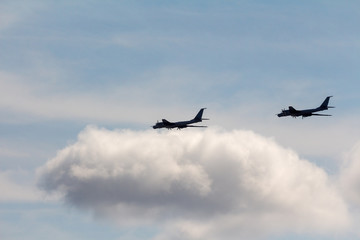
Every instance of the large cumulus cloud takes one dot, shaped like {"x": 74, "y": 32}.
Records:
{"x": 350, "y": 175}
{"x": 195, "y": 184}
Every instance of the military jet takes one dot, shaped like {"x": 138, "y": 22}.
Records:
{"x": 182, "y": 124}
{"x": 306, "y": 112}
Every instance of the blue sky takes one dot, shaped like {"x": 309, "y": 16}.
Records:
{"x": 125, "y": 64}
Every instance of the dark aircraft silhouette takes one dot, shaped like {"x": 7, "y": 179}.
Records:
{"x": 306, "y": 112}
{"x": 182, "y": 124}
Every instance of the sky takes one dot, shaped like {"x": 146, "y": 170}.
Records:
{"x": 82, "y": 82}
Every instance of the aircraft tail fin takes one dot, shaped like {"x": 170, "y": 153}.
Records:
{"x": 198, "y": 116}
{"x": 292, "y": 109}
{"x": 324, "y": 105}
{"x": 166, "y": 122}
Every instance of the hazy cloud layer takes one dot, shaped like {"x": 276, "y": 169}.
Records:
{"x": 14, "y": 190}
{"x": 195, "y": 184}
{"x": 58, "y": 100}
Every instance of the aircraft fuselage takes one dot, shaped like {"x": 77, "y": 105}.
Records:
{"x": 291, "y": 111}
{"x": 181, "y": 124}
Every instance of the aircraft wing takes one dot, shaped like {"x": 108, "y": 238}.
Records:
{"x": 195, "y": 126}
{"x": 318, "y": 114}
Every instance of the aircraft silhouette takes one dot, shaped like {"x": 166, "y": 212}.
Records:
{"x": 182, "y": 124}
{"x": 306, "y": 112}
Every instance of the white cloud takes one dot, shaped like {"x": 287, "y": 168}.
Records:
{"x": 349, "y": 184}
{"x": 350, "y": 175}
{"x": 196, "y": 184}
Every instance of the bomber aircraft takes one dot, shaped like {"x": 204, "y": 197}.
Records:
{"x": 182, "y": 124}
{"x": 306, "y": 112}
